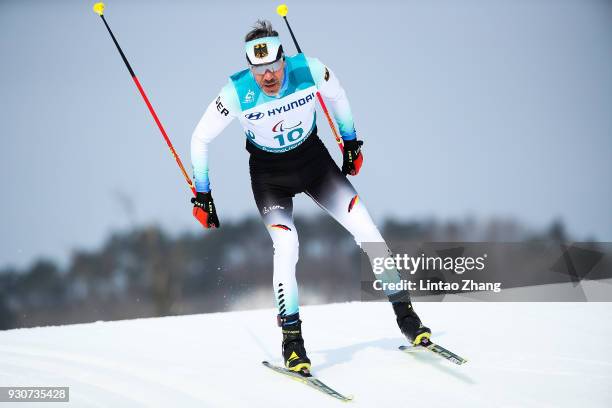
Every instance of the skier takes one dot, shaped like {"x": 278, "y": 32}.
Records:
{"x": 274, "y": 100}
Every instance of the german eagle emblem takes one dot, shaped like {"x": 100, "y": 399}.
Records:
{"x": 260, "y": 50}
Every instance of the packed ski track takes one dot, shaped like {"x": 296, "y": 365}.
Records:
{"x": 520, "y": 355}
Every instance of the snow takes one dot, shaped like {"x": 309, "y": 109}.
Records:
{"x": 520, "y": 355}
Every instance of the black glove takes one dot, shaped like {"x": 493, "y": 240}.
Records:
{"x": 204, "y": 210}
{"x": 352, "y": 157}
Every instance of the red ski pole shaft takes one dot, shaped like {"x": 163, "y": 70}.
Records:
{"x": 99, "y": 9}
{"x": 331, "y": 123}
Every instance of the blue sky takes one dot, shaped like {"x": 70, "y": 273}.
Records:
{"x": 473, "y": 108}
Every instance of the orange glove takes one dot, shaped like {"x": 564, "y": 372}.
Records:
{"x": 352, "y": 157}
{"x": 204, "y": 210}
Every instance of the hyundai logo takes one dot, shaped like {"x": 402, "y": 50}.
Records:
{"x": 254, "y": 115}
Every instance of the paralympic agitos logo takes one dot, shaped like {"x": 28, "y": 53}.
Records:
{"x": 279, "y": 127}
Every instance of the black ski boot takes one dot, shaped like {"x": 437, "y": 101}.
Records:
{"x": 409, "y": 323}
{"x": 294, "y": 352}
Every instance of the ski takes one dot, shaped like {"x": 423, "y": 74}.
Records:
{"x": 427, "y": 344}
{"x": 306, "y": 378}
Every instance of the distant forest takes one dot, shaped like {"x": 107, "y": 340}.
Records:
{"x": 144, "y": 272}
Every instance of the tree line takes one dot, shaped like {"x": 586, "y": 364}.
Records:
{"x": 144, "y": 272}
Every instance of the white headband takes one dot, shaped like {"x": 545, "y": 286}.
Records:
{"x": 263, "y": 50}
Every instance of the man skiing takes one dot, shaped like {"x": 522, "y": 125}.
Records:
{"x": 274, "y": 100}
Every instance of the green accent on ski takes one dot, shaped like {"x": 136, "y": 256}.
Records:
{"x": 306, "y": 378}
{"x": 427, "y": 344}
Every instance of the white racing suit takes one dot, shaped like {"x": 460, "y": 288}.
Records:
{"x": 288, "y": 158}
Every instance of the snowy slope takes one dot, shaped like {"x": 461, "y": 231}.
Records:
{"x": 520, "y": 355}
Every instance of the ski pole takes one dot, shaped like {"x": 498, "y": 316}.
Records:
{"x": 99, "y": 9}
{"x": 282, "y": 11}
